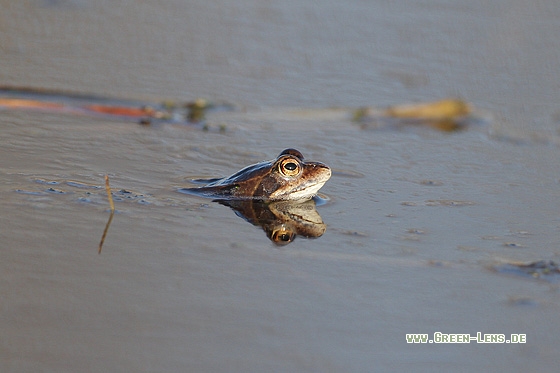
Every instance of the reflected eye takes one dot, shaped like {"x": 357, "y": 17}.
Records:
{"x": 289, "y": 167}
{"x": 282, "y": 236}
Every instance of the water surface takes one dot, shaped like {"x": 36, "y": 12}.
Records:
{"x": 415, "y": 222}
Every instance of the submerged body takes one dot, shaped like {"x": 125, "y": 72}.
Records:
{"x": 288, "y": 177}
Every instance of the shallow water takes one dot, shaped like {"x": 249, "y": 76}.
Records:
{"x": 416, "y": 219}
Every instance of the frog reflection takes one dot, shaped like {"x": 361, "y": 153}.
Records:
{"x": 282, "y": 221}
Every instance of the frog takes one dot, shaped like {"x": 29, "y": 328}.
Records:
{"x": 288, "y": 177}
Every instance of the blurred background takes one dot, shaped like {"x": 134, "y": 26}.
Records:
{"x": 501, "y": 55}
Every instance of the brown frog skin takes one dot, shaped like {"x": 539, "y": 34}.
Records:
{"x": 288, "y": 177}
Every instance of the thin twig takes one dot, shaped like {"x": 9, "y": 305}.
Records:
{"x": 112, "y": 206}
{"x": 109, "y": 195}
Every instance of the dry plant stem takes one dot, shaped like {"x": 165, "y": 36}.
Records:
{"x": 109, "y": 195}
{"x": 112, "y": 206}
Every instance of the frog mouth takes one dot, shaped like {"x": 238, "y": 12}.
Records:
{"x": 307, "y": 189}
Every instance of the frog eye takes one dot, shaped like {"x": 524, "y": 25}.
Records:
{"x": 289, "y": 167}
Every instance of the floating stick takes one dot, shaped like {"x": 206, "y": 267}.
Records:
{"x": 437, "y": 110}
{"x": 445, "y": 115}
{"x": 112, "y": 206}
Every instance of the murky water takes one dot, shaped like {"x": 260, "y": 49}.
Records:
{"x": 415, "y": 222}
